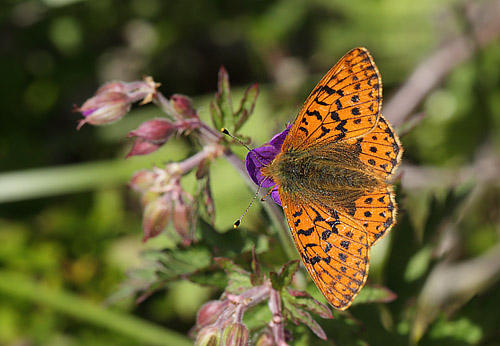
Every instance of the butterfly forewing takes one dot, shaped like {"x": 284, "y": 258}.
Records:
{"x": 334, "y": 249}
{"x": 345, "y": 104}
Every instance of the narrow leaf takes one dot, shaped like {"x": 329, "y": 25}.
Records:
{"x": 299, "y": 316}
{"x": 288, "y": 271}
{"x": 304, "y": 300}
{"x": 216, "y": 115}
{"x": 247, "y": 106}
{"x": 223, "y": 98}
{"x": 374, "y": 294}
{"x": 275, "y": 281}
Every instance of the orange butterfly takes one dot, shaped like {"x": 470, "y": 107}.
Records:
{"x": 331, "y": 171}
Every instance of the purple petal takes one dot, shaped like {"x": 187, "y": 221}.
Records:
{"x": 278, "y": 139}
{"x": 276, "y": 196}
{"x": 265, "y": 156}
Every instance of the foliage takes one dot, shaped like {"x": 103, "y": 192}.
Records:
{"x": 70, "y": 231}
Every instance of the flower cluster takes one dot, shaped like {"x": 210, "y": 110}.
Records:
{"x": 220, "y": 322}
{"x": 164, "y": 201}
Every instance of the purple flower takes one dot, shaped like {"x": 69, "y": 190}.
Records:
{"x": 263, "y": 156}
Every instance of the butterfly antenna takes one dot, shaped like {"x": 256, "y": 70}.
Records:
{"x": 226, "y": 132}
{"x": 237, "y": 223}
{"x": 267, "y": 194}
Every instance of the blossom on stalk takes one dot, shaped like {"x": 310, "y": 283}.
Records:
{"x": 113, "y": 100}
{"x": 263, "y": 156}
{"x": 108, "y": 105}
{"x": 151, "y": 135}
{"x": 183, "y": 105}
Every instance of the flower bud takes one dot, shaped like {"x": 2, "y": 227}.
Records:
{"x": 183, "y": 105}
{"x": 265, "y": 339}
{"x": 156, "y": 131}
{"x": 208, "y": 336}
{"x": 236, "y": 334}
{"x": 182, "y": 219}
{"x": 156, "y": 216}
{"x": 119, "y": 87}
{"x": 108, "y": 105}
{"x": 142, "y": 180}
{"x": 209, "y": 312}
{"x": 142, "y": 147}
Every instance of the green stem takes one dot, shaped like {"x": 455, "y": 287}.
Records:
{"x": 16, "y": 285}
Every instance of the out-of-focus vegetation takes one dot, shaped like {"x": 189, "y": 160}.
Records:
{"x": 70, "y": 229}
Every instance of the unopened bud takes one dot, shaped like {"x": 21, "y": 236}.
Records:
{"x": 210, "y": 312}
{"x": 183, "y": 105}
{"x": 142, "y": 147}
{"x": 182, "y": 220}
{"x": 104, "y": 108}
{"x": 119, "y": 87}
{"x": 235, "y": 334}
{"x": 156, "y": 216}
{"x": 156, "y": 131}
{"x": 208, "y": 336}
{"x": 142, "y": 180}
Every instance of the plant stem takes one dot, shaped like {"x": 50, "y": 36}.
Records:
{"x": 16, "y": 285}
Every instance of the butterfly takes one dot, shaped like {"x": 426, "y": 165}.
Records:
{"x": 331, "y": 171}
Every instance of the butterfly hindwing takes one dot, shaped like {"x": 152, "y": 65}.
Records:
{"x": 345, "y": 104}
{"x": 376, "y": 212}
{"x": 334, "y": 249}
{"x": 380, "y": 149}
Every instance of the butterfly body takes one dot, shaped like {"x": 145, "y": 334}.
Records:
{"x": 332, "y": 174}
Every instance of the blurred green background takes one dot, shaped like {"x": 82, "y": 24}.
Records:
{"x": 70, "y": 228}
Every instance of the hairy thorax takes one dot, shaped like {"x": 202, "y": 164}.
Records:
{"x": 332, "y": 174}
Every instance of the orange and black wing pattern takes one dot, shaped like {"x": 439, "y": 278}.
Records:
{"x": 345, "y": 104}
{"x": 334, "y": 249}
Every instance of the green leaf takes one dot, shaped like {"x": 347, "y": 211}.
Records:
{"x": 418, "y": 264}
{"x": 374, "y": 294}
{"x": 216, "y": 115}
{"x": 256, "y": 277}
{"x": 300, "y": 316}
{"x": 304, "y": 300}
{"x": 223, "y": 98}
{"x": 238, "y": 278}
{"x": 184, "y": 261}
{"x": 276, "y": 283}
{"x": 288, "y": 271}
{"x": 462, "y": 330}
{"x": 247, "y": 106}
{"x": 209, "y": 277}
{"x": 284, "y": 278}
{"x": 232, "y": 243}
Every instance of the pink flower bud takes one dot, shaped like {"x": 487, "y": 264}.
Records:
{"x": 142, "y": 147}
{"x": 104, "y": 108}
{"x": 209, "y": 312}
{"x": 119, "y": 87}
{"x": 156, "y": 131}
{"x": 143, "y": 180}
{"x": 208, "y": 336}
{"x": 182, "y": 220}
{"x": 156, "y": 216}
{"x": 236, "y": 334}
{"x": 183, "y": 105}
